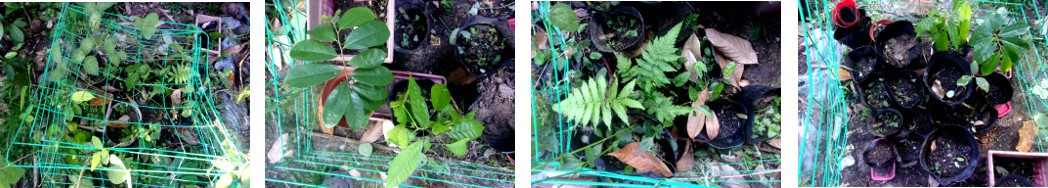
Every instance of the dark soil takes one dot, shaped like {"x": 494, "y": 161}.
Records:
{"x": 897, "y": 50}
{"x": 881, "y": 154}
{"x": 1012, "y": 166}
{"x": 983, "y": 116}
{"x": 731, "y": 122}
{"x": 495, "y": 109}
{"x": 909, "y": 150}
{"x": 1010, "y": 183}
{"x": 948, "y": 156}
{"x": 944, "y": 81}
{"x": 482, "y": 50}
{"x": 496, "y": 8}
{"x": 410, "y": 29}
{"x": 864, "y": 66}
{"x": 620, "y": 30}
{"x": 875, "y": 95}
{"x": 888, "y": 123}
{"x": 905, "y": 90}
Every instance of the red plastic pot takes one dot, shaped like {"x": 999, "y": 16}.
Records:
{"x": 837, "y": 10}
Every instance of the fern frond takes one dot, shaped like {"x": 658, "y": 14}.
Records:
{"x": 663, "y": 109}
{"x": 591, "y": 103}
{"x": 659, "y": 57}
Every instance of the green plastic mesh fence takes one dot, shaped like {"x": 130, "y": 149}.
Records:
{"x": 824, "y": 117}
{"x": 293, "y": 112}
{"x": 170, "y": 145}
{"x": 556, "y": 132}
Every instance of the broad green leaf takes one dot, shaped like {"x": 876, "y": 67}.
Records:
{"x": 312, "y": 50}
{"x": 645, "y": 144}
{"x": 369, "y": 34}
{"x": 335, "y": 105}
{"x": 404, "y": 164}
{"x": 323, "y": 32}
{"x": 9, "y": 174}
{"x": 372, "y": 92}
{"x": 88, "y": 43}
{"x": 16, "y": 34}
{"x": 458, "y": 147}
{"x": 440, "y": 128}
{"x": 356, "y": 117}
{"x": 78, "y": 55}
{"x": 563, "y": 17}
{"x": 468, "y": 129}
{"x": 95, "y": 21}
{"x": 941, "y": 42}
{"x": 1015, "y": 30}
{"x": 96, "y": 142}
{"x": 311, "y": 74}
{"x": 379, "y": 76}
{"x": 120, "y": 56}
{"x": 1017, "y": 46}
{"x": 964, "y": 80}
{"x": 1006, "y": 64}
{"x": 95, "y": 159}
{"x": 91, "y": 65}
{"x": 109, "y": 45}
{"x": 417, "y": 105}
{"x": 149, "y": 25}
{"x": 355, "y": 16}
{"x": 370, "y": 58}
{"x": 991, "y": 64}
{"x": 440, "y": 96}
{"x": 82, "y": 96}
{"x": 983, "y": 84}
{"x": 365, "y": 149}
{"x": 400, "y": 135}
{"x": 973, "y": 67}
{"x": 120, "y": 174}
{"x": 983, "y": 52}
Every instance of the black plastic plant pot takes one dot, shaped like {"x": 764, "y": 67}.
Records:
{"x": 856, "y": 35}
{"x": 401, "y": 87}
{"x": 1001, "y": 90}
{"x": 862, "y": 61}
{"x": 619, "y": 29}
{"x": 982, "y": 115}
{"x": 920, "y": 121}
{"x": 758, "y": 98}
{"x": 733, "y": 127}
{"x": 889, "y": 123}
{"x": 498, "y": 133}
{"x": 950, "y": 154}
{"x": 909, "y": 149}
{"x": 905, "y": 89}
{"x": 879, "y": 154}
{"x": 941, "y": 76}
{"x": 1013, "y": 180}
{"x": 483, "y": 43}
{"x": 411, "y": 26}
{"x": 898, "y": 44}
{"x": 873, "y": 93}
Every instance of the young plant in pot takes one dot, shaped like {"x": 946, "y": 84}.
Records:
{"x": 948, "y": 78}
{"x": 998, "y": 45}
{"x": 414, "y": 114}
{"x": 732, "y": 118}
{"x": 905, "y": 89}
{"x": 481, "y": 44}
{"x": 898, "y": 45}
{"x": 949, "y": 32}
{"x": 949, "y": 154}
{"x": 350, "y": 93}
{"x": 880, "y": 155}
{"x": 890, "y": 123}
{"x": 617, "y": 30}
{"x": 978, "y": 112}
{"x": 765, "y": 101}
{"x": 874, "y": 93}
{"x": 411, "y": 26}
{"x": 861, "y": 62}
{"x": 852, "y": 25}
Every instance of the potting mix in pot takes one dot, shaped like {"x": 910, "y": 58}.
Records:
{"x": 412, "y": 28}
{"x": 480, "y": 47}
{"x": 908, "y": 92}
{"x": 647, "y": 95}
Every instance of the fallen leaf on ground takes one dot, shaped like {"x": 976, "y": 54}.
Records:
{"x": 373, "y": 133}
{"x": 1027, "y": 136}
{"x": 732, "y": 178}
{"x": 844, "y": 74}
{"x": 101, "y": 101}
{"x": 736, "y": 48}
{"x": 697, "y": 120}
{"x": 687, "y": 161}
{"x": 124, "y": 118}
{"x": 274, "y": 151}
{"x": 775, "y": 143}
{"x": 176, "y": 96}
{"x": 641, "y": 160}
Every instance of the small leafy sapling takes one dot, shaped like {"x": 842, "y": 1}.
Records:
{"x": 997, "y": 44}
{"x": 365, "y": 91}
{"x": 948, "y": 32}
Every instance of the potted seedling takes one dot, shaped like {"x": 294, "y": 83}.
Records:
{"x": 481, "y": 44}
{"x": 889, "y": 123}
{"x": 979, "y": 113}
{"x": 400, "y": 88}
{"x": 341, "y": 24}
{"x": 765, "y": 100}
{"x": 920, "y": 121}
{"x": 133, "y": 114}
{"x": 905, "y": 89}
{"x": 898, "y": 44}
{"x": 873, "y": 93}
{"x": 948, "y": 78}
{"x": 617, "y": 30}
{"x": 909, "y": 149}
{"x": 949, "y": 154}
{"x": 998, "y": 44}
{"x": 411, "y": 26}
{"x": 402, "y": 76}
{"x": 880, "y": 156}
{"x": 350, "y": 93}
{"x": 852, "y": 25}
{"x": 861, "y": 62}
{"x": 1018, "y": 168}
{"x": 733, "y": 118}
{"x": 998, "y": 89}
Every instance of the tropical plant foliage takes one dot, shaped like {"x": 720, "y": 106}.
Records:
{"x": 591, "y": 104}
{"x": 999, "y": 44}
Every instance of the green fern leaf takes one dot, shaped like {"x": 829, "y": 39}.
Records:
{"x": 591, "y": 104}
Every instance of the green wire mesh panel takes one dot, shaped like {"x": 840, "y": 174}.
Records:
{"x": 556, "y": 132}
{"x": 824, "y": 117}
{"x": 293, "y": 113}
{"x": 171, "y": 146}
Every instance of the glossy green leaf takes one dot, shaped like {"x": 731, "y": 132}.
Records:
{"x": 16, "y": 34}
{"x": 458, "y": 147}
{"x": 983, "y": 84}
{"x": 372, "y": 92}
{"x": 379, "y": 76}
{"x": 312, "y": 50}
{"x": 370, "y": 58}
{"x": 369, "y": 34}
{"x": 468, "y": 129}
{"x": 417, "y": 105}
{"x": 400, "y": 135}
{"x": 323, "y": 32}
{"x": 82, "y": 96}
{"x": 1006, "y": 63}
{"x": 440, "y": 128}
{"x": 95, "y": 159}
{"x": 991, "y": 64}
{"x": 983, "y": 52}
{"x": 311, "y": 74}
{"x": 355, "y": 16}
{"x": 148, "y": 25}
{"x": 356, "y": 117}
{"x": 562, "y": 16}
{"x": 97, "y": 143}
{"x": 365, "y": 149}
{"x": 440, "y": 96}
{"x": 119, "y": 174}
{"x": 91, "y": 65}
{"x": 1015, "y": 30}
{"x": 336, "y": 105}
{"x": 404, "y": 164}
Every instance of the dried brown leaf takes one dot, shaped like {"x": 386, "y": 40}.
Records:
{"x": 844, "y": 74}
{"x": 736, "y": 75}
{"x": 641, "y": 160}
{"x": 687, "y": 161}
{"x": 373, "y": 133}
{"x": 1027, "y": 136}
{"x": 697, "y": 120}
{"x": 692, "y": 51}
{"x": 176, "y": 96}
{"x": 736, "y": 48}
{"x": 100, "y": 101}
{"x": 712, "y": 126}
